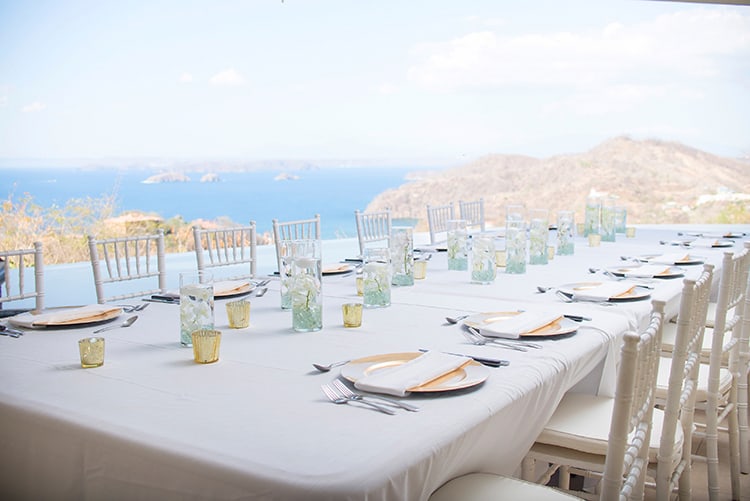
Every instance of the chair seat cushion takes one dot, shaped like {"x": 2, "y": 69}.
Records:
{"x": 581, "y": 422}
{"x": 701, "y": 395}
{"x": 489, "y": 487}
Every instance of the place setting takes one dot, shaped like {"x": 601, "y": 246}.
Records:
{"x": 67, "y": 317}
{"x": 645, "y": 271}
{"x": 700, "y": 242}
{"x": 671, "y": 258}
{"x": 608, "y": 292}
{"x": 518, "y": 330}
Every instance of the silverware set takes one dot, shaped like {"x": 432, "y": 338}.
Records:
{"x": 338, "y": 398}
{"x": 129, "y": 308}
{"x": 7, "y": 331}
{"x": 476, "y": 337}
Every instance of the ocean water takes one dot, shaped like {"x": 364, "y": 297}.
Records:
{"x": 334, "y": 193}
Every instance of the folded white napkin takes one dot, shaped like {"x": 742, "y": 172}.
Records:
{"x": 704, "y": 242}
{"x": 646, "y": 271}
{"x": 228, "y": 287}
{"x": 603, "y": 292}
{"x": 514, "y": 327}
{"x": 400, "y": 379}
{"x": 673, "y": 258}
{"x": 62, "y": 316}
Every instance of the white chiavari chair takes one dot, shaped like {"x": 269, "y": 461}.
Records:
{"x": 302, "y": 229}
{"x": 228, "y": 249}
{"x": 138, "y": 260}
{"x": 15, "y": 266}
{"x": 622, "y": 450}
{"x": 473, "y": 214}
{"x": 373, "y": 227}
{"x": 437, "y": 220}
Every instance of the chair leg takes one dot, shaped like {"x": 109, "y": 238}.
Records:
{"x": 564, "y": 477}
{"x": 743, "y": 392}
{"x": 528, "y": 465}
{"x": 734, "y": 452}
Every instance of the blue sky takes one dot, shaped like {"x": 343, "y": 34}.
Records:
{"x": 314, "y": 79}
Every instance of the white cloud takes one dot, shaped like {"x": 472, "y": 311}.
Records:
{"x": 685, "y": 44}
{"x": 34, "y": 107}
{"x": 387, "y": 88}
{"x": 186, "y": 77}
{"x": 3, "y": 101}
{"x": 230, "y": 77}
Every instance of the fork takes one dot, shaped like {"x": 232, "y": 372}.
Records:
{"x": 335, "y": 397}
{"x": 345, "y": 391}
{"x": 468, "y": 334}
{"x": 515, "y": 342}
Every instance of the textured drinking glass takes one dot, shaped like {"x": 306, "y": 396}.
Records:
{"x": 420, "y": 269}
{"x": 352, "y": 313}
{"x": 306, "y": 289}
{"x": 621, "y": 219}
{"x": 196, "y": 304}
{"x": 402, "y": 256}
{"x": 565, "y": 241}
{"x": 458, "y": 254}
{"x": 376, "y": 274}
{"x": 608, "y": 221}
{"x": 238, "y": 313}
{"x": 592, "y": 216}
{"x": 538, "y": 235}
{"x": 483, "y": 268}
{"x": 515, "y": 240}
{"x": 92, "y": 352}
{"x": 206, "y": 344}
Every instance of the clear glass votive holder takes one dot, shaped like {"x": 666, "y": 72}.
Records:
{"x": 402, "y": 256}
{"x": 206, "y": 344}
{"x": 538, "y": 236}
{"x": 565, "y": 240}
{"x": 420, "y": 269}
{"x": 238, "y": 314}
{"x": 352, "y": 313}
{"x": 196, "y": 304}
{"x": 92, "y": 352}
{"x": 458, "y": 250}
{"x": 376, "y": 274}
{"x": 483, "y": 267}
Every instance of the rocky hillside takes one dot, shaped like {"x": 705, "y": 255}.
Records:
{"x": 658, "y": 182}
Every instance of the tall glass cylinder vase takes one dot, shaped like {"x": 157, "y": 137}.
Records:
{"x": 196, "y": 304}
{"x": 565, "y": 225}
{"x": 483, "y": 267}
{"x": 458, "y": 254}
{"x": 306, "y": 288}
{"x": 592, "y": 216}
{"x": 621, "y": 219}
{"x": 376, "y": 278}
{"x": 515, "y": 240}
{"x": 288, "y": 250}
{"x": 608, "y": 220}
{"x": 538, "y": 236}
{"x": 402, "y": 256}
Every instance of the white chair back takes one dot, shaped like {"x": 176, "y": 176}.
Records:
{"x": 437, "y": 220}
{"x": 137, "y": 258}
{"x": 743, "y": 390}
{"x": 683, "y": 379}
{"x": 302, "y": 229}
{"x": 227, "y": 247}
{"x": 373, "y": 226}
{"x": 14, "y": 264}
{"x": 473, "y": 213}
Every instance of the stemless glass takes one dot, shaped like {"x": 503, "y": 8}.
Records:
{"x": 483, "y": 268}
{"x": 376, "y": 275}
{"x": 402, "y": 256}
{"x": 306, "y": 288}
{"x": 565, "y": 241}
{"x": 458, "y": 258}
{"x": 538, "y": 235}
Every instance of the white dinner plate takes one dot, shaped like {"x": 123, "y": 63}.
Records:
{"x": 561, "y": 327}
{"x": 670, "y": 272}
{"x": 467, "y": 376}
{"x": 636, "y": 293}
{"x": 26, "y": 318}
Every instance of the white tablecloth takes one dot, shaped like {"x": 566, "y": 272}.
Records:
{"x": 152, "y": 424}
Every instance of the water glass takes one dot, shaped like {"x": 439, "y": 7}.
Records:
{"x": 402, "y": 256}
{"x": 538, "y": 236}
{"x": 565, "y": 241}
{"x": 458, "y": 255}
{"x": 196, "y": 304}
{"x": 376, "y": 275}
{"x": 607, "y": 228}
{"x": 306, "y": 288}
{"x": 592, "y": 216}
{"x": 483, "y": 268}
{"x": 92, "y": 352}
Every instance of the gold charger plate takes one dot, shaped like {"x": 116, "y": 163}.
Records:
{"x": 337, "y": 269}
{"x": 671, "y": 272}
{"x": 467, "y": 376}
{"x": 23, "y": 319}
{"x": 690, "y": 259}
{"x": 561, "y": 327}
{"x": 637, "y": 292}
{"x": 236, "y": 292}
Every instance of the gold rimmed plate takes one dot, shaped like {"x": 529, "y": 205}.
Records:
{"x": 471, "y": 374}
{"x": 636, "y": 293}
{"x": 688, "y": 260}
{"x": 33, "y": 320}
{"x": 561, "y": 327}
{"x": 240, "y": 290}
{"x": 668, "y": 272}
{"x": 337, "y": 269}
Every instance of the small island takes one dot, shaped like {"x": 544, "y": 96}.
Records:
{"x": 286, "y": 176}
{"x": 210, "y": 178}
{"x": 167, "y": 177}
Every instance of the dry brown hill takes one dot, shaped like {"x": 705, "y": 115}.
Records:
{"x": 658, "y": 182}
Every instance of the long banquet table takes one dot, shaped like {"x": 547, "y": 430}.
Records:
{"x": 152, "y": 424}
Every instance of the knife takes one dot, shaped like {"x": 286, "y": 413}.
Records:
{"x": 577, "y": 318}
{"x": 162, "y": 299}
{"x": 7, "y": 331}
{"x": 489, "y": 362}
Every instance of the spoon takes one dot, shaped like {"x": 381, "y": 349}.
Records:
{"x": 127, "y": 323}
{"x": 455, "y": 320}
{"x": 261, "y": 292}
{"x": 326, "y": 368}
